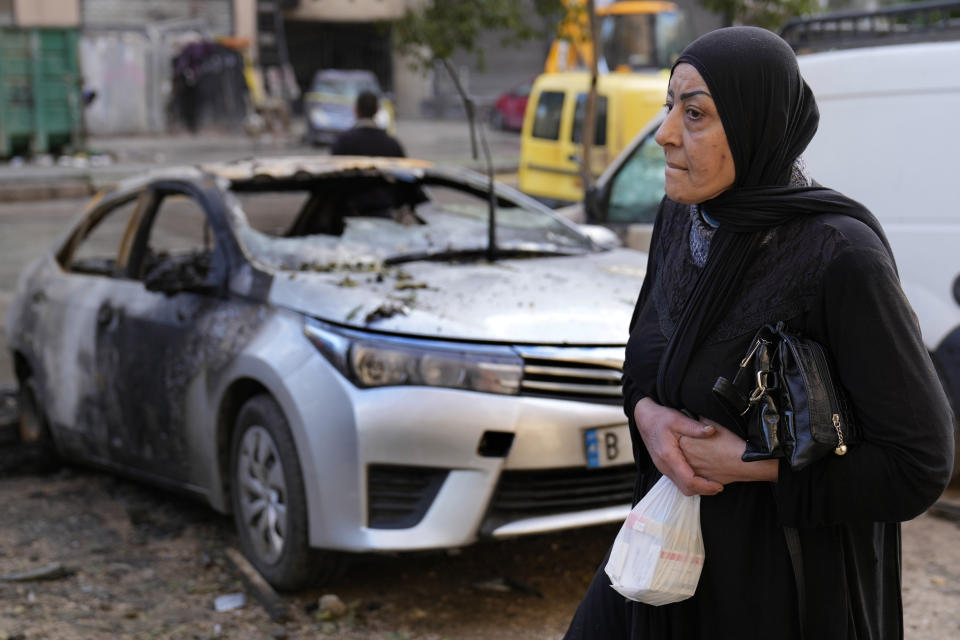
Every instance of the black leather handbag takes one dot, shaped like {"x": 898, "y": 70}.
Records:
{"x": 785, "y": 392}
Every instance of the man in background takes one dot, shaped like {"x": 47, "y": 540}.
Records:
{"x": 366, "y": 138}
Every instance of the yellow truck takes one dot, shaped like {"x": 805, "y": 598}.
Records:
{"x": 552, "y": 132}
{"x": 638, "y": 43}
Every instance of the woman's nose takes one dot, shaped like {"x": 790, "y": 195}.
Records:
{"x": 669, "y": 132}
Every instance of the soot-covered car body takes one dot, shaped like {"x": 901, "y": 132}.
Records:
{"x": 340, "y": 376}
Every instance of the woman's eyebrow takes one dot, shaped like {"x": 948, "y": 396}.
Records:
{"x": 690, "y": 94}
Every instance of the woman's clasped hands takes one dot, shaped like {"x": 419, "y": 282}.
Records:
{"x": 699, "y": 456}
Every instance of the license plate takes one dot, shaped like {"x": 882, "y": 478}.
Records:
{"x": 608, "y": 446}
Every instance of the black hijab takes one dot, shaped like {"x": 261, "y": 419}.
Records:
{"x": 769, "y": 116}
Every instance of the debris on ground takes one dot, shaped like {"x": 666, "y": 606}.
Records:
{"x": 129, "y": 586}
{"x": 230, "y": 601}
{"x": 946, "y": 510}
{"x": 269, "y": 599}
{"x": 505, "y": 585}
{"x": 332, "y": 604}
{"x": 53, "y": 571}
{"x": 496, "y": 584}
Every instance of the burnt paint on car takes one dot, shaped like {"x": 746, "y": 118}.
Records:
{"x": 155, "y": 356}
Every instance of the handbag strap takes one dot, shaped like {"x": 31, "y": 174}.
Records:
{"x": 796, "y": 559}
{"x": 759, "y": 355}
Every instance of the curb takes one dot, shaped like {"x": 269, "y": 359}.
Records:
{"x": 54, "y": 190}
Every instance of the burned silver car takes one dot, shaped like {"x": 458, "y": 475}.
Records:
{"x": 323, "y": 347}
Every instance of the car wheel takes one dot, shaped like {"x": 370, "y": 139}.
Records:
{"x": 269, "y": 502}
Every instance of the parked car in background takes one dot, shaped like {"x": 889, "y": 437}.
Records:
{"x": 509, "y": 107}
{"x": 339, "y": 376}
{"x": 329, "y": 104}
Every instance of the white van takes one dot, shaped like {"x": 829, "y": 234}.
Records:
{"x": 889, "y": 137}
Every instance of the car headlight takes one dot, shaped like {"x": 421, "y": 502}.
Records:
{"x": 374, "y": 361}
{"x": 319, "y": 117}
{"x": 382, "y": 119}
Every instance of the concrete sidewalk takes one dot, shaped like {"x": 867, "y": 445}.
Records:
{"x": 110, "y": 160}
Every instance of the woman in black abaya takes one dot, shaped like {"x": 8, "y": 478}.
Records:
{"x": 745, "y": 238}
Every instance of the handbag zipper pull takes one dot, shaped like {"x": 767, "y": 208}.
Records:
{"x": 841, "y": 447}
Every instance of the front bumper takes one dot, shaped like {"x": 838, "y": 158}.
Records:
{"x": 405, "y": 468}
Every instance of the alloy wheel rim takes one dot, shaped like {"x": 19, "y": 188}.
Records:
{"x": 263, "y": 493}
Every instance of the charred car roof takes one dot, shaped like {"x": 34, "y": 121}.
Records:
{"x": 294, "y": 167}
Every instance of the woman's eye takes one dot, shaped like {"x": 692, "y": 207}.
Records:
{"x": 668, "y": 105}
{"x": 693, "y": 114}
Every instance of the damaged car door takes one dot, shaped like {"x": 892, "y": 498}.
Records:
{"x": 149, "y": 341}
{"x": 62, "y": 313}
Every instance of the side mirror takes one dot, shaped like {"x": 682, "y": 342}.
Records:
{"x": 591, "y": 205}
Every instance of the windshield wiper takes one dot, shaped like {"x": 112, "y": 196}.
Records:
{"x": 476, "y": 254}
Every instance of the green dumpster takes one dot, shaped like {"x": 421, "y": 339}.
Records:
{"x": 40, "y": 88}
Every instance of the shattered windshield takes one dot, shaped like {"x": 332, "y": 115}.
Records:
{"x": 369, "y": 220}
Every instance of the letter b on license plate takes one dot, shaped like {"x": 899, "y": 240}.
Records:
{"x": 606, "y": 446}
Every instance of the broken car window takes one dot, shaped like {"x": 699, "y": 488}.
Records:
{"x": 274, "y": 212}
{"x": 100, "y": 243}
{"x": 179, "y": 233}
{"x": 637, "y": 190}
{"x": 346, "y": 220}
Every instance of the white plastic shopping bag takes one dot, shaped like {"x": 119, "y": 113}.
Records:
{"x": 658, "y": 554}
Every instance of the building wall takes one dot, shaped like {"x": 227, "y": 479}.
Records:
{"x": 411, "y": 87}
{"x": 430, "y": 92}
{"x": 6, "y": 12}
{"x": 118, "y": 66}
{"x": 46, "y": 13}
{"x": 349, "y": 10}
{"x": 218, "y": 14}
{"x": 245, "y": 19}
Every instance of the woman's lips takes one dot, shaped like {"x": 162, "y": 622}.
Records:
{"x": 671, "y": 165}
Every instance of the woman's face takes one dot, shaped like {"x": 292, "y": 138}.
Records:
{"x": 699, "y": 163}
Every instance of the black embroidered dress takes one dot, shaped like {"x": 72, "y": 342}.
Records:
{"x": 829, "y": 277}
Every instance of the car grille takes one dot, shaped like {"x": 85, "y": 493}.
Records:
{"x": 586, "y": 374}
{"x": 398, "y": 497}
{"x": 528, "y": 494}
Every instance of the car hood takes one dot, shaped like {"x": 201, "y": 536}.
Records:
{"x": 584, "y": 299}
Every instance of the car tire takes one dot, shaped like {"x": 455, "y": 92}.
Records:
{"x": 269, "y": 502}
